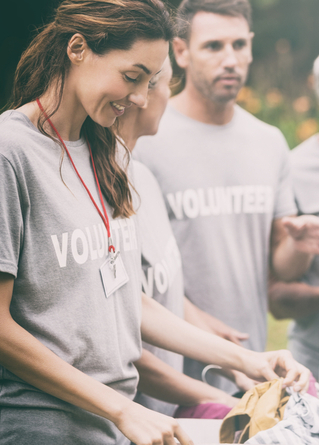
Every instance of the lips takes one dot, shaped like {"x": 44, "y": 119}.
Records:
{"x": 118, "y": 109}
{"x": 229, "y": 79}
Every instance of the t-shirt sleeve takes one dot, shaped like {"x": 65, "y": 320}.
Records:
{"x": 284, "y": 204}
{"x": 144, "y": 151}
{"x": 11, "y": 220}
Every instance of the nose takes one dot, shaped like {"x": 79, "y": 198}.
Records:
{"x": 139, "y": 96}
{"x": 229, "y": 58}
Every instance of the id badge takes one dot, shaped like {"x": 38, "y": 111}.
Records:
{"x": 113, "y": 281}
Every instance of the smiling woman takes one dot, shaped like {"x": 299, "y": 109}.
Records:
{"x": 70, "y": 66}
{"x": 70, "y": 296}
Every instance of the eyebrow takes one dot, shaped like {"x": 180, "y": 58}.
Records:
{"x": 221, "y": 40}
{"x": 143, "y": 67}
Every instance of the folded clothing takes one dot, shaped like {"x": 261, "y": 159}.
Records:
{"x": 259, "y": 409}
{"x": 300, "y": 424}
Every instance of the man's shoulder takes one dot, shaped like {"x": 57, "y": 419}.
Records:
{"x": 249, "y": 121}
{"x": 175, "y": 121}
{"x": 308, "y": 147}
{"x": 305, "y": 157}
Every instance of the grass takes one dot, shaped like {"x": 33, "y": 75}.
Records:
{"x": 277, "y": 333}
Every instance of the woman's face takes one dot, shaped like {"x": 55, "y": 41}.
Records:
{"x": 106, "y": 85}
{"x": 150, "y": 114}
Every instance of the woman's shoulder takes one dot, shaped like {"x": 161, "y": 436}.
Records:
{"x": 13, "y": 120}
{"x": 16, "y": 132}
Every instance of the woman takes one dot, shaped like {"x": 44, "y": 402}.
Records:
{"x": 162, "y": 280}
{"x": 68, "y": 335}
{"x": 162, "y": 272}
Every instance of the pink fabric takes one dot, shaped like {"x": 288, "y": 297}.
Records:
{"x": 312, "y": 390}
{"x": 203, "y": 411}
{"x": 219, "y": 411}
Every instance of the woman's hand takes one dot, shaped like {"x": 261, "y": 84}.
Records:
{"x": 274, "y": 364}
{"x": 205, "y": 321}
{"x": 243, "y": 382}
{"x": 145, "y": 427}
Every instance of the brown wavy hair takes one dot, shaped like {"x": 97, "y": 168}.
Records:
{"x": 106, "y": 25}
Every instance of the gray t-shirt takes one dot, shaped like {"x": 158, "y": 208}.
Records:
{"x": 53, "y": 241}
{"x": 223, "y": 187}
{"x": 304, "y": 333}
{"x": 161, "y": 266}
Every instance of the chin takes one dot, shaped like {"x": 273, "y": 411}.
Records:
{"x": 153, "y": 131}
{"x": 149, "y": 129}
{"x": 226, "y": 96}
{"x": 104, "y": 121}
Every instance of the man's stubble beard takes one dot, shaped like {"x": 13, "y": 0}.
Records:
{"x": 209, "y": 92}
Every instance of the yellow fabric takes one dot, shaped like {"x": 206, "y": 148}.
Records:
{"x": 260, "y": 408}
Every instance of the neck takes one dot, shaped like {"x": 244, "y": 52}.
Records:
{"x": 130, "y": 143}
{"x": 69, "y": 117}
{"x": 192, "y": 104}
{"x": 127, "y": 131}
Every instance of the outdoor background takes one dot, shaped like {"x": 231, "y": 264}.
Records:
{"x": 279, "y": 88}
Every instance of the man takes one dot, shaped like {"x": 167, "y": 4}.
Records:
{"x": 225, "y": 178}
{"x": 300, "y": 299}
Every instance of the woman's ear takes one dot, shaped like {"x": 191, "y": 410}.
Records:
{"x": 77, "y": 47}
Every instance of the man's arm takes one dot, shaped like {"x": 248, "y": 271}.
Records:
{"x": 199, "y": 318}
{"x": 292, "y": 300}
{"x": 294, "y": 242}
{"x": 161, "y": 381}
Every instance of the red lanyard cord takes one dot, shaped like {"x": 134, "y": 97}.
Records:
{"x": 104, "y": 217}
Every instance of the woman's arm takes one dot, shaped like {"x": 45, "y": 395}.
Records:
{"x": 29, "y": 359}
{"x": 161, "y": 381}
{"x": 163, "y": 329}
{"x": 205, "y": 321}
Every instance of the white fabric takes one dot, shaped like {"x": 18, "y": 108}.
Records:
{"x": 223, "y": 187}
{"x": 161, "y": 266}
{"x": 300, "y": 424}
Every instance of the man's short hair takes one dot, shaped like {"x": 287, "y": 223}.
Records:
{"x": 189, "y": 8}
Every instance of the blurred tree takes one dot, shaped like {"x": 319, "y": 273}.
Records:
{"x": 286, "y": 42}
{"x": 284, "y": 48}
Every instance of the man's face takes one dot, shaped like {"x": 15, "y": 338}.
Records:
{"x": 218, "y": 55}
